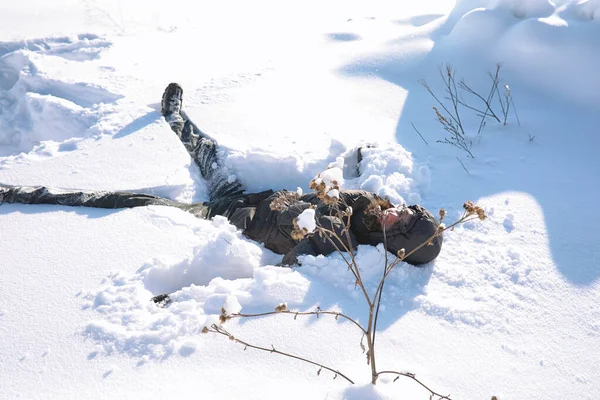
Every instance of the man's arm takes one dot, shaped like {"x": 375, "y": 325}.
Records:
{"x": 45, "y": 195}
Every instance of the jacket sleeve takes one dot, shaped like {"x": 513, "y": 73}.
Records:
{"x": 44, "y": 195}
{"x": 315, "y": 244}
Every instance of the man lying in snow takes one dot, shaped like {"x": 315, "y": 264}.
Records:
{"x": 266, "y": 217}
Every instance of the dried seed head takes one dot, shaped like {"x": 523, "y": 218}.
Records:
{"x": 441, "y": 228}
{"x": 284, "y": 200}
{"x": 231, "y": 337}
{"x": 481, "y": 213}
{"x": 401, "y": 254}
{"x": 298, "y": 233}
{"x": 281, "y": 307}
{"x": 469, "y": 207}
{"x": 224, "y": 317}
{"x": 329, "y": 200}
{"x": 205, "y": 330}
{"x": 442, "y": 213}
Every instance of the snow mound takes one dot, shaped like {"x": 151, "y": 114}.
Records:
{"x": 224, "y": 253}
{"x": 132, "y": 324}
{"x": 583, "y": 10}
{"x": 550, "y": 46}
{"x": 389, "y": 171}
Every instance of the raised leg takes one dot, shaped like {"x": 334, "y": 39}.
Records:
{"x": 201, "y": 148}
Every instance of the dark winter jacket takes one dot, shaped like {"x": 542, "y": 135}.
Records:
{"x": 253, "y": 214}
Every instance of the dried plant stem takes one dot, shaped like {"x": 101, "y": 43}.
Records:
{"x": 449, "y": 115}
{"x": 426, "y": 86}
{"x": 515, "y": 110}
{"x": 463, "y": 165}
{"x": 451, "y": 89}
{"x": 337, "y": 314}
{"x": 381, "y": 283}
{"x": 352, "y": 266}
{"x": 463, "y": 219}
{"x": 495, "y": 80}
{"x": 414, "y": 378}
{"x": 220, "y": 330}
{"x": 416, "y": 130}
{"x": 345, "y": 249}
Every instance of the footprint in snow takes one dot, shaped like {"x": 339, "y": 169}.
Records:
{"x": 509, "y": 223}
{"x": 343, "y": 37}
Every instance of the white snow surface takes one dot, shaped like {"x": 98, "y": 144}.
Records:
{"x": 510, "y": 307}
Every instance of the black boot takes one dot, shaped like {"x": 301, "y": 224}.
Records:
{"x": 172, "y": 100}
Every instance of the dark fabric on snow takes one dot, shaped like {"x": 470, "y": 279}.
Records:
{"x": 203, "y": 151}
{"x": 44, "y": 195}
{"x": 251, "y": 212}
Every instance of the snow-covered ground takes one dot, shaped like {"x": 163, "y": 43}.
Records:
{"x": 511, "y": 306}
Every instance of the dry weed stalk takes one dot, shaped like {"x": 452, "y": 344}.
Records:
{"x": 449, "y": 116}
{"x": 344, "y": 248}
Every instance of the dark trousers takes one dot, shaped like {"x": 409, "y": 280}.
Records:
{"x": 203, "y": 151}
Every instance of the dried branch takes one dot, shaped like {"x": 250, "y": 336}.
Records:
{"x": 512, "y": 100}
{"x": 449, "y": 116}
{"x": 450, "y": 121}
{"x": 463, "y": 85}
{"x": 463, "y": 165}
{"x": 342, "y": 243}
{"x": 426, "y": 86}
{"x": 337, "y": 315}
{"x": 471, "y": 213}
{"x": 416, "y": 130}
{"x": 451, "y": 88}
{"x": 352, "y": 266}
{"x": 502, "y": 106}
{"x": 221, "y": 331}
{"x": 413, "y": 377}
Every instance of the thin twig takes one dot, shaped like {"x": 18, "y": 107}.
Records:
{"x": 355, "y": 271}
{"x": 508, "y": 101}
{"x": 416, "y": 130}
{"x": 220, "y": 330}
{"x": 490, "y": 97}
{"x": 504, "y": 110}
{"x": 337, "y": 314}
{"x": 463, "y": 165}
{"x": 413, "y": 377}
{"x": 426, "y": 86}
{"x": 451, "y": 72}
{"x": 512, "y": 100}
{"x": 463, "y": 85}
{"x": 462, "y": 219}
{"x": 462, "y": 103}
{"x": 382, "y": 282}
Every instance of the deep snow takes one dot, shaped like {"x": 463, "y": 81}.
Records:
{"x": 510, "y": 308}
